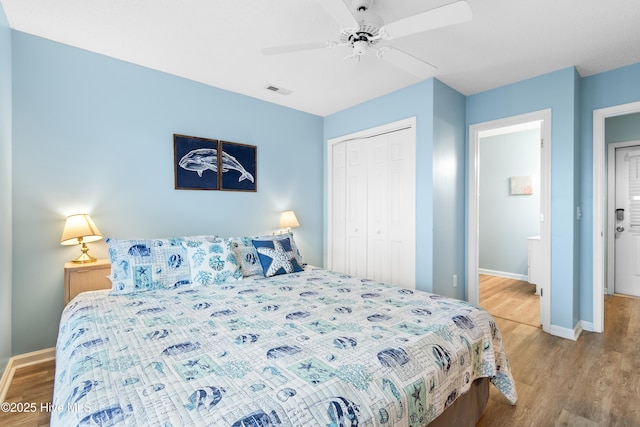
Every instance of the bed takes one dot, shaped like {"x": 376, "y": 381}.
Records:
{"x": 306, "y": 347}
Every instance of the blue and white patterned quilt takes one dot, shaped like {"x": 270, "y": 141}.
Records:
{"x": 314, "y": 348}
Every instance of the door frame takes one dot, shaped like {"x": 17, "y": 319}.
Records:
{"x": 611, "y": 203}
{"x": 408, "y": 123}
{"x": 600, "y": 206}
{"x": 476, "y": 131}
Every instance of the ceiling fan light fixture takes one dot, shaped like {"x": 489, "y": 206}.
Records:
{"x": 360, "y": 47}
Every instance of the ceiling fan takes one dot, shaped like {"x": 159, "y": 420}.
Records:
{"x": 364, "y": 30}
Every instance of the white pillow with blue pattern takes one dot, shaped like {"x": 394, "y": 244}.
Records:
{"x": 212, "y": 260}
{"x": 248, "y": 257}
{"x": 276, "y": 257}
{"x": 146, "y": 264}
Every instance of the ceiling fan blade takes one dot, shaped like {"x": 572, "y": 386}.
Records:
{"x": 407, "y": 62}
{"x": 450, "y": 14}
{"x": 277, "y": 50}
{"x": 340, "y": 13}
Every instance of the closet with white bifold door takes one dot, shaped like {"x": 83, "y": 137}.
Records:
{"x": 371, "y": 204}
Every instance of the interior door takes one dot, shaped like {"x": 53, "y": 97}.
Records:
{"x": 391, "y": 217}
{"x": 627, "y": 221}
{"x": 338, "y": 251}
{"x": 377, "y": 231}
{"x": 356, "y": 206}
{"x": 401, "y": 201}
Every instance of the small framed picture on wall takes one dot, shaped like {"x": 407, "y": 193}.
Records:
{"x": 521, "y": 185}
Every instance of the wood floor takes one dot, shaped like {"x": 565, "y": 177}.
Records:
{"x": 510, "y": 299}
{"x": 594, "y": 381}
{"x": 32, "y": 387}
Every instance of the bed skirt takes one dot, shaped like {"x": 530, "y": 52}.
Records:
{"x": 467, "y": 409}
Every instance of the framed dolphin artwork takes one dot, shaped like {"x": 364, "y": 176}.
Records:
{"x": 237, "y": 167}
{"x": 198, "y": 165}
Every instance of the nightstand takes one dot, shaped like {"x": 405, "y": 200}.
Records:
{"x": 85, "y": 277}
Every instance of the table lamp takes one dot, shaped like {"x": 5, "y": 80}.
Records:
{"x": 80, "y": 229}
{"x": 287, "y": 220}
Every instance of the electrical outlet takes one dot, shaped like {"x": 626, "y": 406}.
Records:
{"x": 455, "y": 280}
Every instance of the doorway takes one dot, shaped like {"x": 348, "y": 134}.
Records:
{"x": 601, "y": 233}
{"x": 542, "y": 120}
{"x": 509, "y": 221}
{"x": 623, "y": 172}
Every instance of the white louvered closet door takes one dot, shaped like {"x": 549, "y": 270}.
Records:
{"x": 378, "y": 207}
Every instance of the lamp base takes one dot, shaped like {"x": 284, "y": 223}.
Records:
{"x": 282, "y": 231}
{"x": 84, "y": 256}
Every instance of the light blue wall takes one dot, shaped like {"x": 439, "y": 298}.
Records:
{"x": 507, "y": 221}
{"x": 448, "y": 191}
{"x": 94, "y": 134}
{"x": 622, "y": 128}
{"x": 5, "y": 191}
{"x": 616, "y": 87}
{"x": 577, "y": 200}
{"x": 439, "y": 113}
{"x": 556, "y": 91}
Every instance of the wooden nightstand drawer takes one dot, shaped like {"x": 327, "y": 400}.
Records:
{"x": 85, "y": 277}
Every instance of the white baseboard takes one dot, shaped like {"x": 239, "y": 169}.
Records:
{"x": 20, "y": 361}
{"x": 515, "y": 276}
{"x": 570, "y": 334}
{"x": 587, "y": 326}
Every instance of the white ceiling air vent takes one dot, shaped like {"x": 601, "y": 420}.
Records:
{"x": 280, "y": 90}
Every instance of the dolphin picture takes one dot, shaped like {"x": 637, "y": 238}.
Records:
{"x": 200, "y": 160}
{"x": 203, "y": 159}
{"x": 230, "y": 162}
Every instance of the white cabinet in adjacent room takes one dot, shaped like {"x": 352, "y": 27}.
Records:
{"x": 372, "y": 208}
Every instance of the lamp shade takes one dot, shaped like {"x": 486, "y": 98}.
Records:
{"x": 79, "y": 228}
{"x": 288, "y": 219}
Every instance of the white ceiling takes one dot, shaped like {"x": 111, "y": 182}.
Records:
{"x": 218, "y": 42}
